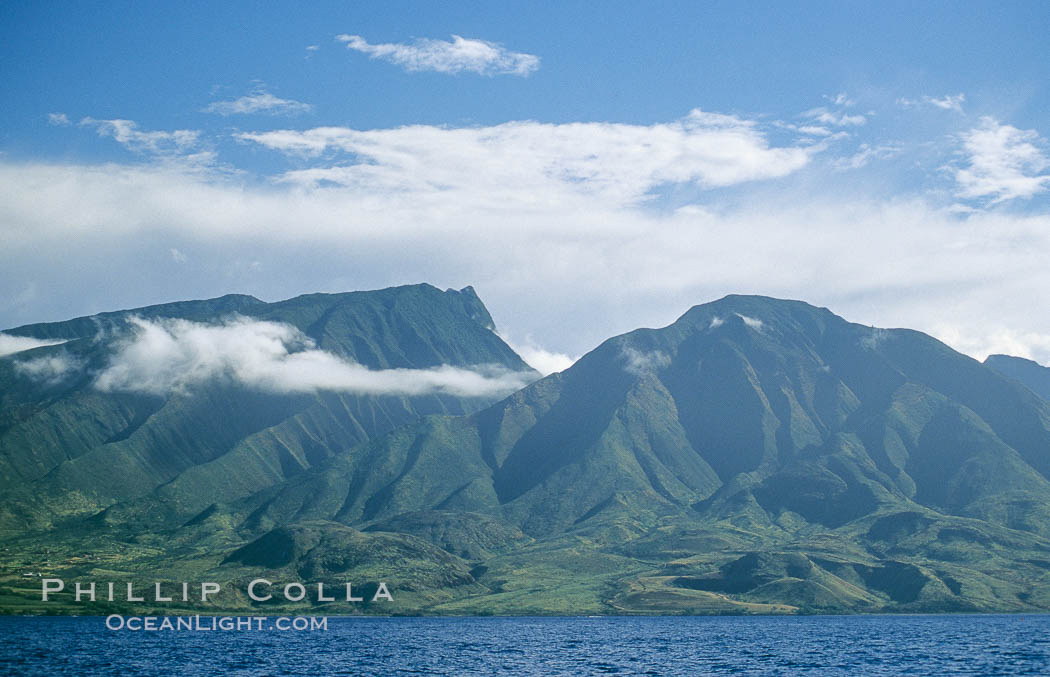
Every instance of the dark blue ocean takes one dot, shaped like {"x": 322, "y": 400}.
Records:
{"x": 813, "y": 645}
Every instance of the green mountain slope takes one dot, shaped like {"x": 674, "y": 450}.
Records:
{"x": 756, "y": 456}
{"x": 749, "y": 423}
{"x": 67, "y": 449}
{"x": 797, "y": 411}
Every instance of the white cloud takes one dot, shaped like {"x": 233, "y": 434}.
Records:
{"x": 554, "y": 224}
{"x": 165, "y": 356}
{"x": 10, "y": 345}
{"x": 312, "y": 48}
{"x": 52, "y": 369}
{"x": 835, "y": 119}
{"x": 865, "y": 154}
{"x": 457, "y": 56}
{"x": 542, "y": 360}
{"x": 1005, "y": 163}
{"x": 638, "y": 362}
{"x": 58, "y": 119}
{"x": 809, "y": 130}
{"x": 533, "y": 164}
{"x": 258, "y": 101}
{"x": 570, "y": 273}
{"x": 947, "y": 102}
{"x": 814, "y": 130}
{"x": 128, "y": 134}
{"x": 177, "y": 256}
{"x": 752, "y": 322}
{"x": 1032, "y": 345}
{"x": 716, "y": 322}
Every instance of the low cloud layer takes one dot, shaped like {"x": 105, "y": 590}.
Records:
{"x": 570, "y": 275}
{"x": 459, "y": 55}
{"x": 639, "y": 362}
{"x": 571, "y": 232}
{"x": 166, "y": 356}
{"x": 51, "y": 370}
{"x": 15, "y": 344}
{"x": 542, "y": 360}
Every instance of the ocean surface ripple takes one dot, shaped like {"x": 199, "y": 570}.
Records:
{"x": 808, "y": 645}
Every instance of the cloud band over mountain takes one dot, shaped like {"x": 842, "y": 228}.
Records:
{"x": 15, "y": 344}
{"x": 165, "y": 356}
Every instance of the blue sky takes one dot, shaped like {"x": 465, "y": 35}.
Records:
{"x": 590, "y": 168}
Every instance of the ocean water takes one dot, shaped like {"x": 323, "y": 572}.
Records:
{"x": 811, "y": 645}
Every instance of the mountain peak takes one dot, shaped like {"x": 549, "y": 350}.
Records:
{"x": 474, "y": 307}
{"x": 762, "y": 314}
{"x": 1029, "y": 372}
{"x": 1001, "y": 358}
{"x": 757, "y": 303}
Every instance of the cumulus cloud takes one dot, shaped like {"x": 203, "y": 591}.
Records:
{"x": 535, "y": 164}
{"x": 58, "y": 120}
{"x": 165, "y": 356}
{"x": 128, "y": 134}
{"x": 50, "y": 369}
{"x": 258, "y": 101}
{"x": 456, "y": 56}
{"x": 10, "y": 344}
{"x": 1005, "y": 163}
{"x": 638, "y": 362}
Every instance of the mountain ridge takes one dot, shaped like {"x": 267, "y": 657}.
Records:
{"x": 413, "y": 327}
{"x": 756, "y": 455}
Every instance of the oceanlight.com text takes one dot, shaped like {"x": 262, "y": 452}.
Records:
{"x": 198, "y": 623}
